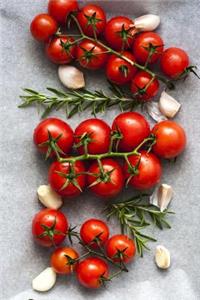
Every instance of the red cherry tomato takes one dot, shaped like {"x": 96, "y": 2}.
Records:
{"x": 66, "y": 179}
{"x": 120, "y": 71}
{"x": 96, "y": 133}
{"x": 119, "y": 32}
{"x": 92, "y": 19}
{"x": 170, "y": 139}
{"x": 60, "y": 50}
{"x": 174, "y": 61}
{"x": 132, "y": 128}
{"x": 60, "y": 9}
{"x": 144, "y": 41}
{"x": 140, "y": 81}
{"x": 90, "y": 271}
{"x": 91, "y": 55}
{"x": 94, "y": 232}
{"x": 148, "y": 170}
{"x": 53, "y": 131}
{"x": 43, "y": 27}
{"x": 49, "y": 227}
{"x": 120, "y": 248}
{"x": 60, "y": 261}
{"x": 110, "y": 182}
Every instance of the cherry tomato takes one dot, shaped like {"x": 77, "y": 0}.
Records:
{"x": 119, "y": 32}
{"x": 145, "y": 41}
{"x": 61, "y": 262}
{"x": 131, "y": 128}
{"x": 43, "y": 27}
{"x": 96, "y": 133}
{"x": 92, "y": 19}
{"x": 174, "y": 61}
{"x": 91, "y": 55}
{"x": 60, "y": 50}
{"x": 67, "y": 180}
{"x": 94, "y": 230}
{"x": 170, "y": 139}
{"x": 55, "y": 132}
{"x": 142, "y": 80}
{"x": 147, "y": 170}
{"x": 49, "y": 227}
{"x": 108, "y": 183}
{"x": 60, "y": 9}
{"x": 120, "y": 71}
{"x": 90, "y": 271}
{"x": 120, "y": 248}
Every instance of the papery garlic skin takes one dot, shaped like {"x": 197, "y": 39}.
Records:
{"x": 48, "y": 197}
{"x": 44, "y": 281}
{"x": 147, "y": 22}
{"x": 162, "y": 196}
{"x": 162, "y": 257}
{"x": 71, "y": 77}
{"x": 154, "y": 111}
{"x": 168, "y": 106}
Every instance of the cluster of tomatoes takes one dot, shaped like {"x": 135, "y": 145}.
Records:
{"x": 119, "y": 36}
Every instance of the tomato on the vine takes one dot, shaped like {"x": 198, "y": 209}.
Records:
{"x": 60, "y": 9}
{"x": 67, "y": 179}
{"x": 92, "y": 19}
{"x": 120, "y": 71}
{"x": 130, "y": 128}
{"x": 49, "y": 227}
{"x": 120, "y": 248}
{"x": 106, "y": 180}
{"x": 91, "y": 272}
{"x": 53, "y": 133}
{"x": 145, "y": 171}
{"x": 42, "y": 27}
{"x": 170, "y": 139}
{"x": 63, "y": 260}
{"x": 94, "y": 232}
{"x": 143, "y": 87}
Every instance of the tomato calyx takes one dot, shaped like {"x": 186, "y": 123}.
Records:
{"x": 124, "y": 70}
{"x": 125, "y": 34}
{"x": 116, "y": 136}
{"x": 85, "y": 140}
{"x": 67, "y": 46}
{"x": 88, "y": 55}
{"x": 71, "y": 177}
{"x": 92, "y": 21}
{"x": 152, "y": 49}
{"x": 132, "y": 170}
{"x": 186, "y": 72}
{"x": 50, "y": 231}
{"x": 102, "y": 176}
{"x": 120, "y": 254}
{"x": 52, "y": 145}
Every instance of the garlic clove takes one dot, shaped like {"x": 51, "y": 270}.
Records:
{"x": 48, "y": 197}
{"x": 44, "y": 281}
{"x": 162, "y": 257}
{"x": 147, "y": 22}
{"x": 168, "y": 106}
{"x": 71, "y": 77}
{"x": 154, "y": 111}
{"x": 162, "y": 196}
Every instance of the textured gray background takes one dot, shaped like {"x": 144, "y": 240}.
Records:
{"x": 23, "y": 64}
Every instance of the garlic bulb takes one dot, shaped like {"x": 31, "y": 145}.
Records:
{"x": 154, "y": 111}
{"x": 162, "y": 257}
{"x": 147, "y": 22}
{"x": 44, "y": 281}
{"x": 162, "y": 196}
{"x": 71, "y": 77}
{"x": 48, "y": 197}
{"x": 168, "y": 106}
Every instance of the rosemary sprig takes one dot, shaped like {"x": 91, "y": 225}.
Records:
{"x": 136, "y": 214}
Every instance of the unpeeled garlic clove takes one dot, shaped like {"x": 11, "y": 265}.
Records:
{"x": 162, "y": 257}
{"x": 162, "y": 196}
{"x": 71, "y": 77}
{"x": 168, "y": 106}
{"x": 44, "y": 281}
{"x": 147, "y": 22}
{"x": 154, "y": 111}
{"x": 48, "y": 197}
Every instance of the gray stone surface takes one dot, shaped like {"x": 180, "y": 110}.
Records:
{"x": 23, "y": 64}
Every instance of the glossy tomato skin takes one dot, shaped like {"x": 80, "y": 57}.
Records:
{"x": 60, "y": 260}
{"x": 49, "y": 217}
{"x": 94, "y": 228}
{"x": 142, "y": 41}
{"x": 55, "y": 127}
{"x": 43, "y": 27}
{"x": 90, "y": 271}
{"x": 149, "y": 170}
{"x": 60, "y": 9}
{"x": 87, "y": 12}
{"x": 57, "y": 54}
{"x": 120, "y": 71}
{"x": 133, "y": 129}
{"x": 97, "y": 57}
{"x": 174, "y": 61}
{"x": 140, "y": 81}
{"x": 170, "y": 139}
{"x": 106, "y": 188}
{"x": 57, "y": 181}
{"x": 112, "y": 32}
{"x": 98, "y": 133}
{"x": 121, "y": 242}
